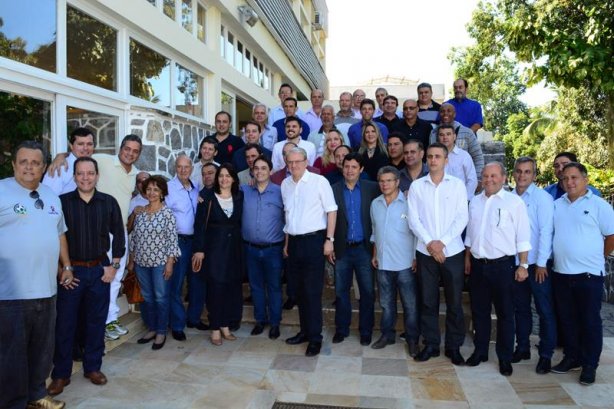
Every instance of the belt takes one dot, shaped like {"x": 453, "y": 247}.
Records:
{"x": 185, "y": 236}
{"x": 493, "y": 260}
{"x": 313, "y": 233}
{"x": 263, "y": 246}
{"x": 354, "y": 243}
{"x": 89, "y": 263}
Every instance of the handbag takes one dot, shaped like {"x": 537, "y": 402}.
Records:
{"x": 132, "y": 288}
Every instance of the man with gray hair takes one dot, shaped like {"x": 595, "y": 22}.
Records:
{"x": 268, "y": 135}
{"x": 318, "y": 136}
{"x": 345, "y": 116}
{"x": 357, "y": 98}
{"x": 312, "y": 117}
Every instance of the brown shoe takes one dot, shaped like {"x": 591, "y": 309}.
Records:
{"x": 46, "y": 403}
{"x": 96, "y": 377}
{"x": 57, "y": 386}
{"x": 229, "y": 337}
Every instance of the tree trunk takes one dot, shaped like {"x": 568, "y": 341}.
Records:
{"x": 610, "y": 121}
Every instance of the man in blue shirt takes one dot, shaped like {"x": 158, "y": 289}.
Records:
{"x": 353, "y": 250}
{"x": 253, "y": 131}
{"x": 557, "y": 190}
{"x": 468, "y": 111}
{"x": 394, "y": 248}
{"x": 583, "y": 237}
{"x": 367, "y": 108}
{"x": 540, "y": 208}
{"x": 262, "y": 228}
{"x": 290, "y": 108}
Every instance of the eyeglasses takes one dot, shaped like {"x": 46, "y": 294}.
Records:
{"x": 39, "y": 204}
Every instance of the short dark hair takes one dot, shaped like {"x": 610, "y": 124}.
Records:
{"x": 445, "y": 126}
{"x": 342, "y": 146}
{"x": 388, "y": 97}
{"x": 29, "y": 144}
{"x": 440, "y": 146}
{"x": 224, "y": 113}
{"x": 211, "y": 141}
{"x": 464, "y": 82}
{"x": 286, "y": 85}
{"x": 367, "y": 101}
{"x": 234, "y": 189}
{"x": 254, "y": 123}
{"x": 569, "y": 155}
{"x": 131, "y": 138}
{"x": 353, "y": 156}
{"x": 398, "y": 135}
{"x": 416, "y": 141}
{"x": 424, "y": 85}
{"x": 84, "y": 159}
{"x": 207, "y": 165}
{"x": 526, "y": 159}
{"x": 293, "y": 118}
{"x": 291, "y": 99}
{"x": 578, "y": 166}
{"x": 265, "y": 160}
{"x": 81, "y": 132}
{"x": 158, "y": 181}
{"x": 249, "y": 146}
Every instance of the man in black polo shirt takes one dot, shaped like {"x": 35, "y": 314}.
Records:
{"x": 90, "y": 216}
{"x": 389, "y": 116}
{"x": 227, "y": 143}
{"x": 413, "y": 127}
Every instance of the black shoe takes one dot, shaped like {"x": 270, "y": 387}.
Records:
{"x": 587, "y": 376}
{"x": 365, "y": 340}
{"x": 566, "y": 365}
{"x": 234, "y": 326}
{"x": 289, "y": 304}
{"x": 201, "y": 326}
{"x": 274, "y": 332}
{"x": 455, "y": 356}
{"x": 412, "y": 348}
{"x": 178, "y": 335}
{"x": 475, "y": 359}
{"x": 297, "y": 339}
{"x": 543, "y": 366}
{"x": 505, "y": 368}
{"x": 338, "y": 338}
{"x": 146, "y": 340}
{"x": 258, "y": 329}
{"x": 427, "y": 353}
{"x": 155, "y": 346}
{"x": 382, "y": 342}
{"x": 313, "y": 348}
{"x": 520, "y": 356}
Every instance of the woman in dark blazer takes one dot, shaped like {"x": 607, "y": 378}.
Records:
{"x": 217, "y": 250}
{"x": 373, "y": 150}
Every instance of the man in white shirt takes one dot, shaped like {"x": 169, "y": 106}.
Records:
{"x": 139, "y": 199}
{"x": 498, "y": 230}
{"x": 206, "y": 152}
{"x": 357, "y": 98}
{"x": 293, "y": 132}
{"x": 438, "y": 214}
{"x": 311, "y": 214}
{"x": 460, "y": 163}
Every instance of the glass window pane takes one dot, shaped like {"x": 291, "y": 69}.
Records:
{"x": 246, "y": 63}
{"x": 169, "y": 8}
{"x": 23, "y": 118}
{"x": 255, "y": 75}
{"x": 230, "y": 53}
{"x": 150, "y": 74}
{"x": 266, "y": 78}
{"x": 186, "y": 14}
{"x": 27, "y": 32}
{"x": 261, "y": 75}
{"x": 239, "y": 57}
{"x": 104, "y": 127}
{"x": 200, "y": 23}
{"x": 152, "y": 2}
{"x": 91, "y": 54}
{"x": 188, "y": 92}
{"x": 222, "y": 42}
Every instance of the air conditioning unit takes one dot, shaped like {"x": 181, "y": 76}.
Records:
{"x": 317, "y": 21}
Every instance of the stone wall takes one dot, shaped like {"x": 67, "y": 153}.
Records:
{"x": 164, "y": 138}
{"x": 493, "y": 151}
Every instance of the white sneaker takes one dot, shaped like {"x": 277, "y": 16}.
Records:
{"x": 111, "y": 333}
{"x": 120, "y": 329}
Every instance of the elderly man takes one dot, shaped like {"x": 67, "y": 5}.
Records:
{"x": 182, "y": 199}
{"x": 252, "y": 136}
{"x": 357, "y": 96}
{"x": 540, "y": 209}
{"x": 90, "y": 216}
{"x": 139, "y": 198}
{"x": 428, "y": 109}
{"x": 394, "y": 248}
{"x": 290, "y": 108}
{"x": 277, "y": 113}
{"x": 281, "y": 174}
{"x": 468, "y": 111}
{"x": 293, "y": 130}
{"x": 367, "y": 108}
{"x": 459, "y": 162}
{"x": 268, "y": 136}
{"x": 412, "y": 127}
{"x": 389, "y": 116}
{"x": 583, "y": 237}
{"x": 345, "y": 116}
{"x": 557, "y": 189}
{"x": 414, "y": 168}
{"x": 206, "y": 154}
{"x": 318, "y": 136}
{"x": 262, "y": 228}
{"x": 312, "y": 117}
{"x": 227, "y": 143}
{"x": 497, "y": 232}
{"x": 311, "y": 214}
{"x": 32, "y": 212}
{"x": 438, "y": 214}
{"x": 465, "y": 138}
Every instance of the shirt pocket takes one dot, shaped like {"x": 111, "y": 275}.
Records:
{"x": 501, "y": 218}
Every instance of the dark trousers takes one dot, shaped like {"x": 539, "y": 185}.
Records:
{"x": 92, "y": 297}
{"x": 222, "y": 300}
{"x": 544, "y": 304}
{"x": 492, "y": 284}
{"x": 290, "y": 284}
{"x": 197, "y": 289}
{"x": 177, "y": 317}
{"x": 27, "y": 335}
{"x": 306, "y": 268}
{"x": 264, "y": 272}
{"x": 578, "y": 303}
{"x": 452, "y": 274}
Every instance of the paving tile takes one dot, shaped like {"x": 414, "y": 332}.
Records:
{"x": 381, "y": 366}
{"x": 294, "y": 363}
{"x": 434, "y": 388}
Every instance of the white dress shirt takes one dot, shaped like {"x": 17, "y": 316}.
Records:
{"x": 183, "y": 203}
{"x": 313, "y": 120}
{"x": 461, "y": 165}
{"x": 138, "y": 200}
{"x": 438, "y": 212}
{"x": 278, "y": 153}
{"x": 307, "y": 203}
{"x": 65, "y": 181}
{"x": 498, "y": 226}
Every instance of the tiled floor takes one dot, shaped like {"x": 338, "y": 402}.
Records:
{"x": 252, "y": 372}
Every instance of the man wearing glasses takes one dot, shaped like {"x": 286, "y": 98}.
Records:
{"x": 412, "y": 127}
{"x": 31, "y": 242}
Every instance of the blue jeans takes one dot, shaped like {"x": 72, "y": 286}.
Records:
{"x": 405, "y": 282}
{"x": 264, "y": 273}
{"x": 155, "y": 290}
{"x": 578, "y": 303}
{"x": 358, "y": 260}
{"x": 177, "y": 309}
{"x": 27, "y": 334}
{"x": 544, "y": 304}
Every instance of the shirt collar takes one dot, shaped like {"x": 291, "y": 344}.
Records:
{"x": 117, "y": 163}
{"x": 529, "y": 191}
{"x": 587, "y": 195}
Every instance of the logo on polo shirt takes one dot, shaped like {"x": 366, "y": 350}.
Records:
{"x": 20, "y": 209}
{"x": 52, "y": 210}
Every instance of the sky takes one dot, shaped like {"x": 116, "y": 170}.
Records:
{"x": 400, "y": 38}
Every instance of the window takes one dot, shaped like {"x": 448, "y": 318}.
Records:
{"x": 230, "y": 40}
{"x": 200, "y": 23}
{"x": 149, "y": 74}
{"x": 239, "y": 57}
{"x": 255, "y": 73}
{"x": 169, "y": 8}
{"x": 91, "y": 50}
{"x": 222, "y": 42}
{"x": 104, "y": 127}
{"x": 28, "y": 32}
{"x": 186, "y": 14}
{"x": 153, "y": 2}
{"x": 246, "y": 63}
{"x": 188, "y": 91}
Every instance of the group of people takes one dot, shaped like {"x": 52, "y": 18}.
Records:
{"x": 400, "y": 199}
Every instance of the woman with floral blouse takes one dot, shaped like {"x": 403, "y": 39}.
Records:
{"x": 153, "y": 249}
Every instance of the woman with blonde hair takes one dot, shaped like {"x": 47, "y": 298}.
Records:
{"x": 326, "y": 162}
{"x": 373, "y": 150}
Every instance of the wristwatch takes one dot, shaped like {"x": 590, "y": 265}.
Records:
{"x": 68, "y": 268}
{"x": 115, "y": 265}
{"x": 331, "y": 239}
{"x": 524, "y": 265}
